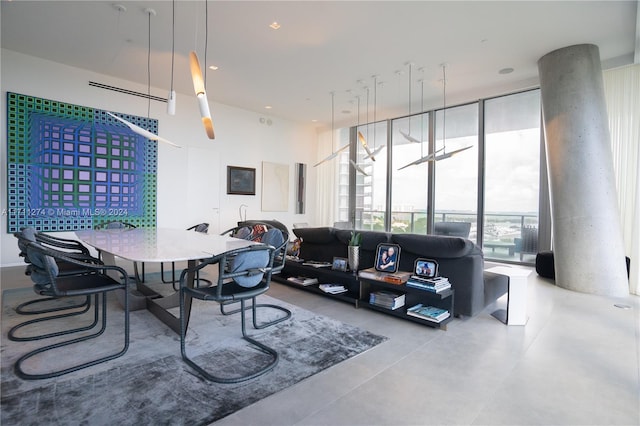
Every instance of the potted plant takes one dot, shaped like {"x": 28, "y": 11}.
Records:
{"x": 354, "y": 250}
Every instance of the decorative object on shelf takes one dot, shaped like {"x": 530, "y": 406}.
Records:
{"x": 335, "y": 153}
{"x": 199, "y": 83}
{"x": 387, "y": 257}
{"x": 241, "y": 180}
{"x": 354, "y": 251}
{"x": 339, "y": 264}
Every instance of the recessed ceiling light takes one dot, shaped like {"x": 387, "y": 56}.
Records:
{"x": 314, "y": 121}
{"x": 505, "y": 71}
{"x": 268, "y": 107}
{"x": 213, "y": 67}
{"x": 274, "y": 25}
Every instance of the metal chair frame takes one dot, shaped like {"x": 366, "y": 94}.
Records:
{"x": 227, "y": 290}
{"x": 95, "y": 283}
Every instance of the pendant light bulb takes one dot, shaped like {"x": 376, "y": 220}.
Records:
{"x": 171, "y": 103}
{"x": 201, "y": 94}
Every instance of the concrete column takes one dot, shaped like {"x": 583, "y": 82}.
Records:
{"x": 587, "y": 236}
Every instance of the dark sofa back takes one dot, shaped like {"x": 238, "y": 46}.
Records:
{"x": 368, "y": 245}
{"x": 320, "y": 244}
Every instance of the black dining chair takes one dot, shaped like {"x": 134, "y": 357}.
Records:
{"x": 73, "y": 249}
{"x": 275, "y": 237}
{"x": 200, "y": 227}
{"x": 243, "y": 274}
{"x": 96, "y": 282}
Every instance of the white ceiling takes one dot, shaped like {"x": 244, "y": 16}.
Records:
{"x": 323, "y": 47}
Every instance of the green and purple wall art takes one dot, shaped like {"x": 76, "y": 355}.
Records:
{"x": 73, "y": 167}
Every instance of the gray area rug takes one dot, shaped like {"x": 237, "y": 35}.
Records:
{"x": 151, "y": 385}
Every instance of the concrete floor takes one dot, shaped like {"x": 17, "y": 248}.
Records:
{"x": 576, "y": 362}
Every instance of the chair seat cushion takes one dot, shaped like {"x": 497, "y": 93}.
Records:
{"x": 250, "y": 260}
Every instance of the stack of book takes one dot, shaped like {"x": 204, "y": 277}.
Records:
{"x": 398, "y": 277}
{"x": 434, "y": 285}
{"x": 386, "y": 299}
{"x": 305, "y": 281}
{"x": 333, "y": 288}
{"x": 429, "y": 313}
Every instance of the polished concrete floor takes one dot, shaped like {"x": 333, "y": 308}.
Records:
{"x": 576, "y": 362}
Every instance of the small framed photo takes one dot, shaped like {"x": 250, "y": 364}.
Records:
{"x": 241, "y": 180}
{"x": 387, "y": 257}
{"x": 339, "y": 264}
{"x": 425, "y": 268}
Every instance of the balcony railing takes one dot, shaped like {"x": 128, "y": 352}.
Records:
{"x": 507, "y": 236}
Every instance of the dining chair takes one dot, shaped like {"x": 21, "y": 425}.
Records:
{"x": 243, "y": 274}
{"x": 200, "y": 227}
{"x": 95, "y": 282}
{"x": 73, "y": 248}
{"x": 275, "y": 237}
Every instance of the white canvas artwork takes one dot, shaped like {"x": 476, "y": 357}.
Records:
{"x": 275, "y": 187}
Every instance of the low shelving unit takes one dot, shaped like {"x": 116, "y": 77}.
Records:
{"x": 413, "y": 296}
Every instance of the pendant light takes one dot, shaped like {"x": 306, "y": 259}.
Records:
{"x": 334, "y": 154}
{"x": 171, "y": 100}
{"x": 362, "y": 141}
{"x": 446, "y": 154}
{"x": 136, "y": 129}
{"x": 199, "y": 83}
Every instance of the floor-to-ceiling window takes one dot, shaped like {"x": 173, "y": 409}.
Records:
{"x": 456, "y": 166}
{"x": 512, "y": 175}
{"x": 481, "y": 171}
{"x": 409, "y": 175}
{"x": 371, "y": 176}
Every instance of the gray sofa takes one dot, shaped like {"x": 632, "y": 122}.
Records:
{"x": 459, "y": 259}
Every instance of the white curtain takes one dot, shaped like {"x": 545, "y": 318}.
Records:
{"x": 325, "y": 181}
{"x": 622, "y": 94}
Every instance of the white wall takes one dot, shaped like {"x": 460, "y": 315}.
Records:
{"x": 191, "y": 180}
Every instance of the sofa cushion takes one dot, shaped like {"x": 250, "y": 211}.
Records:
{"x": 320, "y": 244}
{"x": 316, "y": 235}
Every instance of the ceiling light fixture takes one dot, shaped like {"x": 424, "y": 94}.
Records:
{"x": 362, "y": 141}
{"x": 335, "y": 153}
{"x": 199, "y": 83}
{"x": 171, "y": 100}
{"x": 441, "y": 153}
{"x": 136, "y": 129}
{"x": 274, "y": 25}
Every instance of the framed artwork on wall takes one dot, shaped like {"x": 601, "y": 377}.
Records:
{"x": 241, "y": 180}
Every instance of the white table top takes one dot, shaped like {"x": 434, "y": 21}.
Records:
{"x": 159, "y": 244}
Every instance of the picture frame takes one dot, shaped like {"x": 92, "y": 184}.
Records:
{"x": 425, "y": 268}
{"x": 387, "y": 257}
{"x": 241, "y": 180}
{"x": 340, "y": 264}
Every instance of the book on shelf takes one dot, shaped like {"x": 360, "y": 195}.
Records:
{"x": 333, "y": 288}
{"x": 316, "y": 264}
{"x": 439, "y": 288}
{"x": 305, "y": 281}
{"x": 398, "y": 277}
{"x": 429, "y": 313}
{"x": 387, "y": 299}
{"x": 430, "y": 281}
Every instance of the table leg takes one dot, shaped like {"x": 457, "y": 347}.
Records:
{"x": 160, "y": 306}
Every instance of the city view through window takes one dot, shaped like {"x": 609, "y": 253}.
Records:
{"x": 508, "y": 189}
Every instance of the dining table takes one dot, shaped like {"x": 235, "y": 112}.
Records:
{"x": 156, "y": 245}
